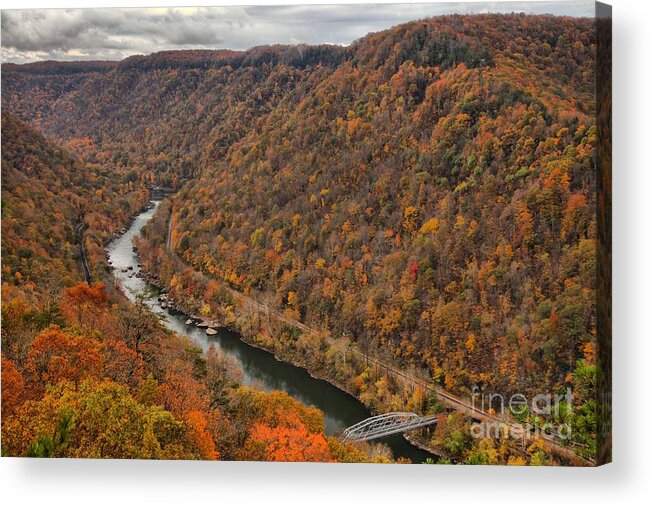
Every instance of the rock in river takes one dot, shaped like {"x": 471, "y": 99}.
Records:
{"x": 210, "y": 331}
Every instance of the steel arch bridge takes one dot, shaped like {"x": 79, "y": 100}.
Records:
{"x": 384, "y": 425}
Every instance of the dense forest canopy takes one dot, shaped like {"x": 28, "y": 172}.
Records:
{"x": 426, "y": 193}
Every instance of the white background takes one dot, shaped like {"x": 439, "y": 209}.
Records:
{"x": 626, "y": 481}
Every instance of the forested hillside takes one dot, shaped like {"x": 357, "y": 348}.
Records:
{"x": 425, "y": 195}
{"x": 170, "y": 113}
{"x": 49, "y": 198}
{"x": 435, "y": 206}
{"x": 32, "y": 90}
{"x": 87, "y": 374}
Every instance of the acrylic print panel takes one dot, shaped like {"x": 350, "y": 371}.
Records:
{"x": 321, "y": 233}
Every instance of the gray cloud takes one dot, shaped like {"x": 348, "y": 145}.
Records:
{"x": 85, "y": 34}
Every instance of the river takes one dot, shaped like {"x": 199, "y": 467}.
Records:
{"x": 260, "y": 368}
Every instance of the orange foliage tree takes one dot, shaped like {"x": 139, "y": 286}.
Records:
{"x": 57, "y": 355}
{"x": 286, "y": 444}
{"x": 12, "y": 387}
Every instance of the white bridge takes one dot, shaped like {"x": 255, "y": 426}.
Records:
{"x": 385, "y": 425}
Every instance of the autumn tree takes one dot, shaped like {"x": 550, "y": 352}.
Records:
{"x": 56, "y": 355}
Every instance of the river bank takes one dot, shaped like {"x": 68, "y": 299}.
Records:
{"x": 204, "y": 323}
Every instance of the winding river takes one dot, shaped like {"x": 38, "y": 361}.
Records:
{"x": 260, "y": 368}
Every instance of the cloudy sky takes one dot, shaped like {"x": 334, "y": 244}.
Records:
{"x": 114, "y": 34}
